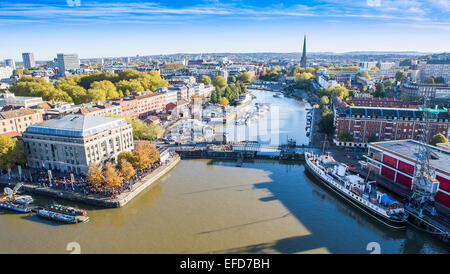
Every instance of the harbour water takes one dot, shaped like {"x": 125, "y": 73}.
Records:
{"x": 285, "y": 119}
{"x": 206, "y": 206}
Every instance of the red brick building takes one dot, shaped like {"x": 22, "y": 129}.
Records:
{"x": 381, "y": 102}
{"x": 371, "y": 124}
{"x": 396, "y": 161}
{"x": 141, "y": 106}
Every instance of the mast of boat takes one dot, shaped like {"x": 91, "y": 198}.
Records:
{"x": 324, "y": 142}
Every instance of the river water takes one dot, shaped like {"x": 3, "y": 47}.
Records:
{"x": 206, "y": 206}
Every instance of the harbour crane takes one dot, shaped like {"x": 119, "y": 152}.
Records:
{"x": 424, "y": 184}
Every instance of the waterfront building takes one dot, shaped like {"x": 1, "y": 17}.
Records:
{"x": 28, "y": 60}
{"x": 381, "y": 102}
{"x": 18, "y": 120}
{"x": 70, "y": 143}
{"x": 68, "y": 62}
{"x": 396, "y": 161}
{"x": 367, "y": 124}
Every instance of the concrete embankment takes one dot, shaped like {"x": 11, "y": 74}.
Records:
{"x": 97, "y": 200}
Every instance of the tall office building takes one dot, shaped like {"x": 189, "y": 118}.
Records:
{"x": 303, "y": 60}
{"x": 10, "y": 63}
{"x": 68, "y": 62}
{"x": 28, "y": 60}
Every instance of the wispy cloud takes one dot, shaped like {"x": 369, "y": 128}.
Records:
{"x": 402, "y": 11}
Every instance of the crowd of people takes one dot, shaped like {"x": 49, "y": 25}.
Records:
{"x": 81, "y": 185}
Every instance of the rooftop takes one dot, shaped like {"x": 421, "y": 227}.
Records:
{"x": 16, "y": 113}
{"x": 75, "y": 125}
{"x": 408, "y": 149}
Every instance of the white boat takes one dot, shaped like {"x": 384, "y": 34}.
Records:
{"x": 356, "y": 190}
{"x": 24, "y": 199}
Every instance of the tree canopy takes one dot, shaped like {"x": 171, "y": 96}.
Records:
{"x": 220, "y": 82}
{"x": 145, "y": 131}
{"x": 345, "y": 136}
{"x": 12, "y": 152}
{"x": 89, "y": 87}
{"x": 438, "y": 138}
{"x": 244, "y": 77}
{"x": 205, "y": 80}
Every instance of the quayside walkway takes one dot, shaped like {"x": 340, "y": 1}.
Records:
{"x": 98, "y": 200}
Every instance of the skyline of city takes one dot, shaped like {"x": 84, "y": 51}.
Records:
{"x": 119, "y": 28}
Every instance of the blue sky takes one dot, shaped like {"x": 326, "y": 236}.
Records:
{"x": 126, "y": 28}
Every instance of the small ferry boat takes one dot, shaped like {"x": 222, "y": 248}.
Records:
{"x": 14, "y": 207}
{"x": 356, "y": 190}
{"x": 24, "y": 199}
{"x": 66, "y": 210}
{"x": 44, "y": 213}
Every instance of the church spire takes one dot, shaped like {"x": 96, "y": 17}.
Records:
{"x": 303, "y": 60}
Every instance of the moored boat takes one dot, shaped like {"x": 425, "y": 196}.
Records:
{"x": 24, "y": 199}
{"x": 14, "y": 207}
{"x": 356, "y": 190}
{"x": 66, "y": 210}
{"x": 59, "y": 217}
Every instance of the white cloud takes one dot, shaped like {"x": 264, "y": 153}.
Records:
{"x": 373, "y": 3}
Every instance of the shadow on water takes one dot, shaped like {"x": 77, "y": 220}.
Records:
{"x": 36, "y": 219}
{"x": 246, "y": 224}
{"x": 334, "y": 224}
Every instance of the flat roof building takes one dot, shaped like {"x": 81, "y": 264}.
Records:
{"x": 70, "y": 143}
{"x": 28, "y": 60}
{"x": 68, "y": 62}
{"x": 396, "y": 161}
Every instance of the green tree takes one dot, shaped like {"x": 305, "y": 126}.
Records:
{"x": 372, "y": 138}
{"x": 220, "y": 82}
{"x": 388, "y": 84}
{"x": 379, "y": 91}
{"x": 128, "y": 87}
{"x": 365, "y": 74}
{"x": 144, "y": 131}
{"x": 326, "y": 122}
{"x": 12, "y": 152}
{"x": 231, "y": 79}
{"x": 345, "y": 136}
{"x": 244, "y": 77}
{"x": 76, "y": 92}
{"x": 399, "y": 76}
{"x": 102, "y": 90}
{"x": 38, "y": 87}
{"x": 430, "y": 80}
{"x": 125, "y": 156}
{"x": 324, "y": 101}
{"x": 438, "y": 138}
{"x": 205, "y": 80}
